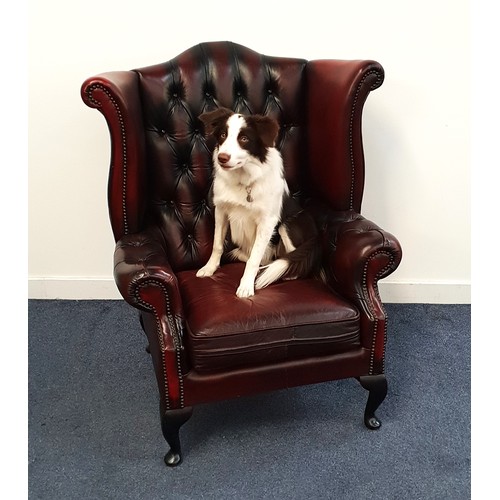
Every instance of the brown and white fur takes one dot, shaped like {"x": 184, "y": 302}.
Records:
{"x": 268, "y": 229}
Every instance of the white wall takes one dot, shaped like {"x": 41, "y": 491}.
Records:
{"x": 416, "y": 126}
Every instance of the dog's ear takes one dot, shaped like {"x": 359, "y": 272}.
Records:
{"x": 267, "y": 128}
{"x": 212, "y": 119}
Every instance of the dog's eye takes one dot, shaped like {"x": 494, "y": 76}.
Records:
{"x": 243, "y": 138}
{"x": 222, "y": 135}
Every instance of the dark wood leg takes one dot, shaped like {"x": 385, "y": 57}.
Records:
{"x": 171, "y": 423}
{"x": 377, "y": 387}
{"x": 141, "y": 321}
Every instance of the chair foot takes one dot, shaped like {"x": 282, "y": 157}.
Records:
{"x": 171, "y": 423}
{"x": 377, "y": 387}
{"x": 172, "y": 459}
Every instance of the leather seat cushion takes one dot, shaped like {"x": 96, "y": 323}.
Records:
{"x": 287, "y": 320}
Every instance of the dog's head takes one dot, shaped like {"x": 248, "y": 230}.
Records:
{"x": 239, "y": 137}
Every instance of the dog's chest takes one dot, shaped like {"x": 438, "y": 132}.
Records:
{"x": 245, "y": 207}
{"x": 233, "y": 196}
{"x": 243, "y": 215}
{"x": 253, "y": 198}
{"x": 243, "y": 228}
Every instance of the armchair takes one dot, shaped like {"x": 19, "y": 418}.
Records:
{"x": 206, "y": 344}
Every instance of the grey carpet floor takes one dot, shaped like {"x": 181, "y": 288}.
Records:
{"x": 94, "y": 430}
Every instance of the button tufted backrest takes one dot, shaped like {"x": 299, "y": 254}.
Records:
{"x": 174, "y": 94}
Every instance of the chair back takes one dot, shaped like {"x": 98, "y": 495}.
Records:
{"x": 178, "y": 152}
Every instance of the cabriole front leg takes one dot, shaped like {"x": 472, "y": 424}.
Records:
{"x": 171, "y": 422}
{"x": 377, "y": 387}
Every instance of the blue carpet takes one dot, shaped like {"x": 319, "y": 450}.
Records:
{"x": 94, "y": 429}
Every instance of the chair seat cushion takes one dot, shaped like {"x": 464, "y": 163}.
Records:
{"x": 287, "y": 320}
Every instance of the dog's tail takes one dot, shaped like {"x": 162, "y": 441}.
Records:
{"x": 273, "y": 272}
{"x": 302, "y": 262}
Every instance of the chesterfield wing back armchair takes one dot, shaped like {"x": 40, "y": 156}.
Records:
{"x": 206, "y": 344}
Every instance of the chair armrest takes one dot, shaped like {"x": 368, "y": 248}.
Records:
{"x": 116, "y": 95}
{"x": 141, "y": 263}
{"x": 146, "y": 281}
{"x": 359, "y": 253}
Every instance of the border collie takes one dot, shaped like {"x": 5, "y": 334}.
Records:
{"x": 268, "y": 229}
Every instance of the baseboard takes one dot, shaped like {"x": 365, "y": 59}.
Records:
{"x": 73, "y": 288}
{"x": 438, "y": 292}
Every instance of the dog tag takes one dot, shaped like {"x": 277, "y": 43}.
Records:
{"x": 249, "y": 195}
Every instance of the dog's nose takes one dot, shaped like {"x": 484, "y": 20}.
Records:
{"x": 223, "y": 158}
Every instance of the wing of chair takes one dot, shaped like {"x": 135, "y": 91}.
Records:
{"x": 207, "y": 344}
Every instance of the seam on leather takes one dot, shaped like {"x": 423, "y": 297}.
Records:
{"x": 98, "y": 104}
{"x": 295, "y": 325}
{"x": 351, "y": 337}
{"x": 376, "y": 321}
{"x": 173, "y": 330}
{"x": 351, "y": 123}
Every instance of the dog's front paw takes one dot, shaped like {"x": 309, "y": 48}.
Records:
{"x": 246, "y": 289}
{"x": 206, "y": 271}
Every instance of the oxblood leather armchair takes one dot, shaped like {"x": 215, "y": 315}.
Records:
{"x": 207, "y": 344}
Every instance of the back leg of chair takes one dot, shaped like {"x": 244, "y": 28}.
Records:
{"x": 171, "y": 423}
{"x": 377, "y": 387}
{"x": 141, "y": 321}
